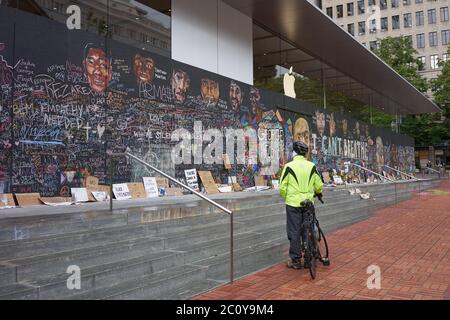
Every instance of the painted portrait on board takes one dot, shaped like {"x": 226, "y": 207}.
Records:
{"x": 210, "y": 91}
{"x": 345, "y": 128}
{"x": 181, "y": 83}
{"x": 301, "y": 132}
{"x": 236, "y": 96}
{"x": 332, "y": 125}
{"x": 379, "y": 153}
{"x": 320, "y": 123}
{"x": 97, "y": 67}
{"x": 144, "y": 69}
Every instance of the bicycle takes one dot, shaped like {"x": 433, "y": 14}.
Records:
{"x": 314, "y": 249}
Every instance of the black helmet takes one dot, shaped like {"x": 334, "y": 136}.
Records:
{"x": 300, "y": 148}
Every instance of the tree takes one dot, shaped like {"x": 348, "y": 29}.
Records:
{"x": 441, "y": 95}
{"x": 400, "y": 55}
{"x": 398, "y": 52}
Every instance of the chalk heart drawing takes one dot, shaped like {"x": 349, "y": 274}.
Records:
{"x": 101, "y": 131}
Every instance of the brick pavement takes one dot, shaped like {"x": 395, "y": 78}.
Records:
{"x": 410, "y": 242}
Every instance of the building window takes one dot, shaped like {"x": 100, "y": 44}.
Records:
{"x": 419, "y": 18}
{"x": 373, "y": 45}
{"x": 372, "y": 2}
{"x": 340, "y": 11}
{"x": 434, "y": 61}
{"x": 395, "y": 3}
{"x": 432, "y": 16}
{"x": 420, "y": 39}
{"x": 330, "y": 12}
{"x": 407, "y": 19}
{"x": 395, "y": 22}
{"x": 351, "y": 29}
{"x": 406, "y": 2}
{"x": 419, "y": 1}
{"x": 361, "y": 8}
{"x": 384, "y": 24}
{"x": 445, "y": 57}
{"x": 444, "y": 14}
{"x": 361, "y": 28}
{"x": 350, "y": 9}
{"x": 373, "y": 26}
{"x": 433, "y": 39}
{"x": 383, "y": 4}
{"x": 422, "y": 63}
{"x": 445, "y": 37}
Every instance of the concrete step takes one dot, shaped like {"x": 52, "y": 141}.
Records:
{"x": 57, "y": 263}
{"x": 106, "y": 275}
{"x": 154, "y": 286}
{"x": 190, "y": 290}
{"x": 247, "y": 260}
{"x": 7, "y": 275}
{"x": 217, "y": 247}
{"x": 75, "y": 240}
{"x": 18, "y": 292}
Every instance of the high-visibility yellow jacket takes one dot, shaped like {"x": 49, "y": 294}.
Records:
{"x": 299, "y": 181}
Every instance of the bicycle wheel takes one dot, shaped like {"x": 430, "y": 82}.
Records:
{"x": 322, "y": 249}
{"x": 312, "y": 254}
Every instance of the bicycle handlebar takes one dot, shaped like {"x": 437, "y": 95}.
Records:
{"x": 319, "y": 196}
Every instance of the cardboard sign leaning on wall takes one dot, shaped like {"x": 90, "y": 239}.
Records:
{"x": 121, "y": 191}
{"x": 208, "y": 182}
{"x": 28, "y": 199}
{"x": 7, "y": 200}
{"x": 137, "y": 190}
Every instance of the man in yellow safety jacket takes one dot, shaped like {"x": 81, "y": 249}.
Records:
{"x": 299, "y": 181}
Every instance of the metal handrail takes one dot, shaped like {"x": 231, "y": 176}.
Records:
{"x": 412, "y": 177}
{"x": 198, "y": 194}
{"x": 438, "y": 172}
{"x": 368, "y": 170}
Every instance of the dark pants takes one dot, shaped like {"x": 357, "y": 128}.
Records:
{"x": 295, "y": 218}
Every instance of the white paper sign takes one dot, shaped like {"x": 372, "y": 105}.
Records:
{"x": 79, "y": 195}
{"x": 151, "y": 187}
{"x": 121, "y": 191}
{"x": 191, "y": 178}
{"x": 275, "y": 184}
{"x": 59, "y": 204}
{"x": 226, "y": 189}
{"x": 100, "y": 196}
{"x": 338, "y": 180}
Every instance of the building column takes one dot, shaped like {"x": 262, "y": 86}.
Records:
{"x": 213, "y": 36}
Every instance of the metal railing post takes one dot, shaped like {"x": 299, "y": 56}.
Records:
{"x": 231, "y": 249}
{"x": 401, "y": 172}
{"x": 111, "y": 173}
{"x": 373, "y": 172}
{"x": 196, "y": 193}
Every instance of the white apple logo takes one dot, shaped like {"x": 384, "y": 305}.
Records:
{"x": 288, "y": 83}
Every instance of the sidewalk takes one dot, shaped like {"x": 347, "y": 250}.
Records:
{"x": 410, "y": 242}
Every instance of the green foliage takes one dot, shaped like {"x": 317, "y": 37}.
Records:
{"x": 400, "y": 55}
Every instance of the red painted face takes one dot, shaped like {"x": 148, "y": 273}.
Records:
{"x": 98, "y": 69}
{"x": 144, "y": 68}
